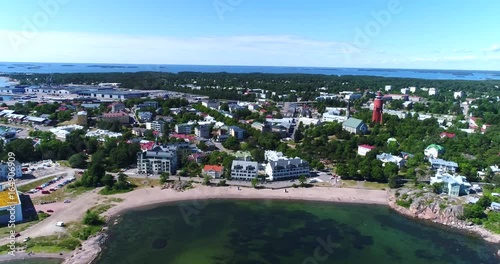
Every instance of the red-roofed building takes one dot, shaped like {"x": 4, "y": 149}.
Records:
{"x": 448, "y": 135}
{"x": 147, "y": 146}
{"x": 120, "y": 116}
{"x": 214, "y": 171}
{"x": 197, "y": 157}
{"x": 183, "y": 136}
{"x": 363, "y": 149}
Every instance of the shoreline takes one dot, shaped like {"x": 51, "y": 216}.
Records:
{"x": 200, "y": 196}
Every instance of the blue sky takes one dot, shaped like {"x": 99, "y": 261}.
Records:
{"x": 343, "y": 33}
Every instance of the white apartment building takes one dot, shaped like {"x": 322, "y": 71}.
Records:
{"x": 156, "y": 126}
{"x": 244, "y": 170}
{"x": 280, "y": 167}
{"x": 433, "y": 91}
{"x": 388, "y": 88}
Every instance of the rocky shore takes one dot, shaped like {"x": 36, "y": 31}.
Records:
{"x": 441, "y": 210}
{"x": 89, "y": 250}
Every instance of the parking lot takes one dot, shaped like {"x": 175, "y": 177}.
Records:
{"x": 52, "y": 185}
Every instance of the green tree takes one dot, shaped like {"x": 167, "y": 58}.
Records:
{"x": 232, "y": 143}
{"x": 78, "y": 161}
{"x": 437, "y": 187}
{"x": 206, "y": 180}
{"x": 108, "y": 180}
{"x": 92, "y": 218}
{"x": 164, "y": 177}
{"x": 255, "y": 182}
{"x": 302, "y": 180}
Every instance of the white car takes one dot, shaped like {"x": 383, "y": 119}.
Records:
{"x": 60, "y": 224}
{"x": 26, "y": 239}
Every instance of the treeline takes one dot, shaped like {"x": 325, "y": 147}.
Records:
{"x": 304, "y": 84}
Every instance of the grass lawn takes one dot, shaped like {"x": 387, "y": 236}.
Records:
{"x": 142, "y": 183}
{"x": 101, "y": 208}
{"x": 349, "y": 183}
{"x": 375, "y": 185}
{"x": 32, "y": 185}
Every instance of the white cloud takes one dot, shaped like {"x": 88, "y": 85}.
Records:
{"x": 493, "y": 48}
{"x": 235, "y": 50}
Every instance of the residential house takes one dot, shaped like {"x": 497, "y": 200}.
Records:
{"x": 385, "y": 158}
{"x": 122, "y": 117}
{"x": 262, "y": 127}
{"x": 355, "y": 126}
{"x": 433, "y": 151}
{"x": 440, "y": 164}
{"x": 214, "y": 104}
{"x": 214, "y": 171}
{"x": 137, "y": 131}
{"x": 447, "y": 135}
{"x": 364, "y": 149}
{"x": 244, "y": 170}
{"x": 453, "y": 185}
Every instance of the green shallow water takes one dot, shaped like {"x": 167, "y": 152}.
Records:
{"x": 230, "y": 232}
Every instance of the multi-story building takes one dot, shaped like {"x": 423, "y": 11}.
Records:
{"x": 202, "y": 131}
{"x": 163, "y": 158}
{"x": 211, "y": 104}
{"x": 262, "y": 127}
{"x": 433, "y": 91}
{"x": 184, "y": 128}
{"x": 122, "y": 117}
{"x": 453, "y": 185}
{"x": 244, "y": 170}
{"x": 280, "y": 167}
{"x": 149, "y": 104}
{"x": 237, "y": 132}
{"x": 117, "y": 107}
{"x": 156, "y": 126}
{"x": 15, "y": 168}
{"x": 145, "y": 116}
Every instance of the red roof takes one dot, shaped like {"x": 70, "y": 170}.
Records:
{"x": 147, "y": 146}
{"x": 367, "y": 146}
{"x": 448, "y": 135}
{"x": 114, "y": 114}
{"x": 216, "y": 168}
{"x": 182, "y": 136}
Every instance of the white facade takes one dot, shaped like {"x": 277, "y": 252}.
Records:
{"x": 388, "y": 88}
{"x": 454, "y": 185}
{"x": 413, "y": 89}
{"x": 280, "y": 167}
{"x": 364, "y": 149}
{"x": 433, "y": 91}
{"x": 244, "y": 170}
{"x": 405, "y": 91}
{"x": 184, "y": 128}
{"x": 457, "y": 95}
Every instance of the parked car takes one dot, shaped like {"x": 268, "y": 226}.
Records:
{"x": 52, "y": 189}
{"x": 26, "y": 239}
{"x": 60, "y": 224}
{"x": 45, "y": 192}
{"x": 50, "y": 211}
{"x": 67, "y": 201}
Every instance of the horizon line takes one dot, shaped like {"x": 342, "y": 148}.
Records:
{"x": 272, "y": 66}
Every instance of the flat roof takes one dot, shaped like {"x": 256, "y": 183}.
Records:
{"x": 8, "y": 198}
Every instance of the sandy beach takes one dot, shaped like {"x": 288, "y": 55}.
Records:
{"x": 155, "y": 196}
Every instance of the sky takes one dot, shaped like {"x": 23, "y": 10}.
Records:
{"x": 415, "y": 34}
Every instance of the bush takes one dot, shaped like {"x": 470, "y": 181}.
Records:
{"x": 92, "y": 218}
{"x": 404, "y": 203}
{"x": 474, "y": 213}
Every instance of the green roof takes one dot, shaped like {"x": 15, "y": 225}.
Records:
{"x": 353, "y": 122}
{"x": 438, "y": 147}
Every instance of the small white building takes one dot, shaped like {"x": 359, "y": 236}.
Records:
{"x": 413, "y": 89}
{"x": 433, "y": 91}
{"x": 364, "y": 149}
{"x": 388, "y": 88}
{"x": 385, "y": 158}
{"x": 457, "y": 95}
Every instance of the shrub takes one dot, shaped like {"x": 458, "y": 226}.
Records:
{"x": 404, "y": 203}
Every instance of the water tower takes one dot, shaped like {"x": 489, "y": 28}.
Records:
{"x": 378, "y": 106}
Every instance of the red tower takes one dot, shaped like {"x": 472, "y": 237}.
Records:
{"x": 378, "y": 106}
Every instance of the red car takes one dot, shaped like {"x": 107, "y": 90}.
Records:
{"x": 50, "y": 211}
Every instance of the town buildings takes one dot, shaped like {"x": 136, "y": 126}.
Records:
{"x": 214, "y": 171}
{"x": 364, "y": 149}
{"x": 117, "y": 107}
{"x": 355, "y": 126}
{"x": 202, "y": 130}
{"x": 453, "y": 185}
{"x": 121, "y": 117}
{"x": 5, "y": 168}
{"x": 9, "y": 199}
{"x": 443, "y": 165}
{"x": 158, "y": 125}
{"x": 82, "y": 118}
{"x": 145, "y": 116}
{"x": 185, "y": 128}
{"x": 237, "y": 132}
{"x": 280, "y": 167}
{"x": 389, "y": 158}
{"x": 244, "y": 170}
{"x": 162, "y": 158}
{"x": 433, "y": 151}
